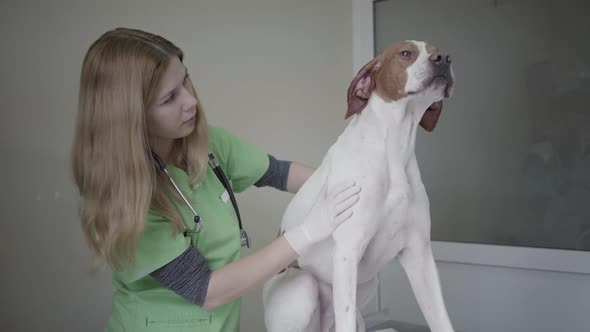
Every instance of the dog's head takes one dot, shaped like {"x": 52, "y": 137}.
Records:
{"x": 415, "y": 69}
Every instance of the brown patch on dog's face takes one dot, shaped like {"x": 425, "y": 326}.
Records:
{"x": 391, "y": 78}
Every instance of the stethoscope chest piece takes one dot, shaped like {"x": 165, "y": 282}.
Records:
{"x": 244, "y": 239}
{"x": 198, "y": 226}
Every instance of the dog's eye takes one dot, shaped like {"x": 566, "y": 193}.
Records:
{"x": 406, "y": 54}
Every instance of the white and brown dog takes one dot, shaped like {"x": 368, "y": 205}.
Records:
{"x": 338, "y": 276}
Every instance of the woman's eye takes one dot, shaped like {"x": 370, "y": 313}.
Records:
{"x": 171, "y": 98}
{"x": 406, "y": 54}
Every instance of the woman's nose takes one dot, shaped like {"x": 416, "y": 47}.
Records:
{"x": 189, "y": 100}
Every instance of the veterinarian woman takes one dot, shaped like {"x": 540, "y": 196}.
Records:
{"x": 156, "y": 210}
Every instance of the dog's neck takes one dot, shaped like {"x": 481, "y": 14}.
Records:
{"x": 395, "y": 123}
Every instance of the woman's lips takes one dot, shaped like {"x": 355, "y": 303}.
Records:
{"x": 192, "y": 118}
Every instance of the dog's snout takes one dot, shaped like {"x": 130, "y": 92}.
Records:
{"x": 440, "y": 59}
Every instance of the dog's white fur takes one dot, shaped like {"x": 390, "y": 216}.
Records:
{"x": 338, "y": 275}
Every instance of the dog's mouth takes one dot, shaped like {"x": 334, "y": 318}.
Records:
{"x": 446, "y": 80}
{"x": 438, "y": 80}
{"x": 432, "y": 113}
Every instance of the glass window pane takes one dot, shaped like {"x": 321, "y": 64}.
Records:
{"x": 509, "y": 162}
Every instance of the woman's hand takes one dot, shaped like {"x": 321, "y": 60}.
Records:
{"x": 331, "y": 210}
{"x": 237, "y": 278}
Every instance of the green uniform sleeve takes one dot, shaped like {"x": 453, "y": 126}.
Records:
{"x": 243, "y": 162}
{"x": 158, "y": 245}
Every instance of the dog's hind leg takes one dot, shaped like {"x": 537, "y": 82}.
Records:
{"x": 291, "y": 302}
{"x": 418, "y": 263}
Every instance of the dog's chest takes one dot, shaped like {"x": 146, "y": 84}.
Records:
{"x": 394, "y": 227}
{"x": 390, "y": 200}
{"x": 392, "y": 207}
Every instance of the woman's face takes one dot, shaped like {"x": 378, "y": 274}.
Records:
{"x": 173, "y": 113}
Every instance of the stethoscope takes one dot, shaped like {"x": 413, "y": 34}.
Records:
{"x": 244, "y": 239}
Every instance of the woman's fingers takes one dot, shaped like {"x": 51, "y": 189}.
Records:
{"x": 346, "y": 204}
{"x": 346, "y": 193}
{"x": 343, "y": 217}
{"x": 339, "y": 188}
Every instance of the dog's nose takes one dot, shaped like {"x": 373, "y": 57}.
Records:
{"x": 440, "y": 59}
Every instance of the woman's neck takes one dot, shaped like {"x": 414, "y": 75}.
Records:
{"x": 163, "y": 148}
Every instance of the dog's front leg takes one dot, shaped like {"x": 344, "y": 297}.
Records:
{"x": 418, "y": 263}
{"x": 346, "y": 259}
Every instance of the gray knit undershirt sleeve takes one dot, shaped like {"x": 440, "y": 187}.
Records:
{"x": 276, "y": 175}
{"x": 187, "y": 275}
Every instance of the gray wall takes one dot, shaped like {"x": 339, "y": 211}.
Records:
{"x": 273, "y": 72}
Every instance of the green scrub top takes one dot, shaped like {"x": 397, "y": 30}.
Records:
{"x": 140, "y": 303}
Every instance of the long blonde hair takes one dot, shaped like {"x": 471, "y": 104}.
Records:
{"x": 111, "y": 156}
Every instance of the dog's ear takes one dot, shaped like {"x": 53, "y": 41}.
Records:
{"x": 360, "y": 88}
{"x": 431, "y": 116}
